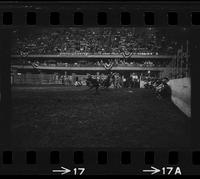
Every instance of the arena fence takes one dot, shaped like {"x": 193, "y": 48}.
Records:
{"x": 181, "y": 94}
{"x": 44, "y": 79}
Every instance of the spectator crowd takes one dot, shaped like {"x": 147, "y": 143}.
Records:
{"x": 95, "y": 41}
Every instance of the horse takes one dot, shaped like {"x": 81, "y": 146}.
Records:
{"x": 94, "y": 83}
{"x": 163, "y": 90}
{"x": 107, "y": 82}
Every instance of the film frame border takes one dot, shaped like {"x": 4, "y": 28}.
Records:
{"x": 137, "y": 19}
{"x": 145, "y": 14}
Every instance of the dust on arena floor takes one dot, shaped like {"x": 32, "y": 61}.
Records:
{"x": 75, "y": 117}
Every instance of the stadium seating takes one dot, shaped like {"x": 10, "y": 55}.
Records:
{"x": 92, "y": 41}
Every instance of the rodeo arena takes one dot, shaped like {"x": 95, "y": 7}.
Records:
{"x": 100, "y": 87}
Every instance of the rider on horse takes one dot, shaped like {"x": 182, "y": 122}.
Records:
{"x": 92, "y": 83}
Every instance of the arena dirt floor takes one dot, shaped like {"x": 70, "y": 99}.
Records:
{"x": 60, "y": 117}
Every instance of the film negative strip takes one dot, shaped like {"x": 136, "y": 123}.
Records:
{"x": 97, "y": 88}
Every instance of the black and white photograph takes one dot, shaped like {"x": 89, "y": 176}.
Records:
{"x": 77, "y": 87}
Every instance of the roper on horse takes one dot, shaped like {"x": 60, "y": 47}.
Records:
{"x": 92, "y": 83}
{"x": 107, "y": 82}
{"x": 95, "y": 83}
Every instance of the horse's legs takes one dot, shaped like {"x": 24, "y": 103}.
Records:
{"x": 91, "y": 87}
{"x": 97, "y": 89}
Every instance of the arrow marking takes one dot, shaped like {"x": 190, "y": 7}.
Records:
{"x": 153, "y": 170}
{"x": 63, "y": 171}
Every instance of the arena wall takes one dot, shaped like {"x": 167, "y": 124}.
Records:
{"x": 41, "y": 79}
{"x": 181, "y": 94}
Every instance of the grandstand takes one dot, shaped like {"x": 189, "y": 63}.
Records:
{"x": 38, "y": 56}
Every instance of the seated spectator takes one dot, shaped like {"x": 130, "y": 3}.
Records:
{"x": 92, "y": 41}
